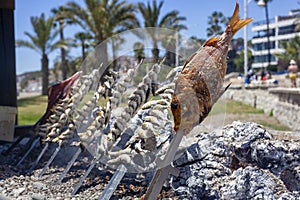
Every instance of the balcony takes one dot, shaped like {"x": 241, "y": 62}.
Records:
{"x": 284, "y": 18}
{"x": 263, "y": 22}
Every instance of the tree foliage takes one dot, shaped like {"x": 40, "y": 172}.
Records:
{"x": 102, "y": 19}
{"x": 61, "y": 20}
{"x": 151, "y": 14}
{"x": 42, "y": 41}
{"x": 139, "y": 53}
{"x": 239, "y": 61}
{"x": 291, "y": 51}
{"x": 215, "y": 22}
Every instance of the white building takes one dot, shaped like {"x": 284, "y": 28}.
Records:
{"x": 281, "y": 28}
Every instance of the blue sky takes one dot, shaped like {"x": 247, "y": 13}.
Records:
{"x": 196, "y": 12}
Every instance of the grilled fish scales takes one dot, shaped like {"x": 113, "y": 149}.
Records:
{"x": 200, "y": 83}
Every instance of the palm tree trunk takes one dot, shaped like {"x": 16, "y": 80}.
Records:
{"x": 155, "y": 52}
{"x": 103, "y": 56}
{"x": 170, "y": 58}
{"x": 45, "y": 74}
{"x": 114, "y": 55}
{"x": 102, "y": 46}
{"x": 83, "y": 49}
{"x": 64, "y": 64}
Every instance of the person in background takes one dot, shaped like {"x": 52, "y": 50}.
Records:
{"x": 248, "y": 76}
{"x": 269, "y": 75}
{"x": 263, "y": 75}
{"x": 293, "y": 72}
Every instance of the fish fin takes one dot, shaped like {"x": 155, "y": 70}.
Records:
{"x": 212, "y": 41}
{"x": 235, "y": 22}
{"x": 188, "y": 60}
{"x": 226, "y": 88}
{"x": 176, "y": 111}
{"x": 223, "y": 91}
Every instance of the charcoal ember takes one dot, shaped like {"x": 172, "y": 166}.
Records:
{"x": 276, "y": 155}
{"x": 241, "y": 161}
{"x": 291, "y": 178}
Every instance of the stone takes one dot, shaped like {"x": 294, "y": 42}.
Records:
{"x": 38, "y": 196}
{"x": 3, "y": 197}
{"x": 38, "y": 185}
{"x": 17, "y": 192}
{"x": 284, "y": 111}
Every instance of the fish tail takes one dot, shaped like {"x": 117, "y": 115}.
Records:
{"x": 235, "y": 22}
{"x": 234, "y": 25}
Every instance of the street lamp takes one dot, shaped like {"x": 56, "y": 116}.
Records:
{"x": 246, "y": 38}
{"x": 264, "y": 3}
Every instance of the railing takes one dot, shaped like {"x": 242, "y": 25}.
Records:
{"x": 280, "y": 18}
{"x": 262, "y": 22}
{"x": 284, "y": 18}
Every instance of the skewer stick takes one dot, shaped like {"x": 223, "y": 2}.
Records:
{"x": 71, "y": 162}
{"x": 50, "y": 160}
{"x": 78, "y": 185}
{"x": 38, "y": 158}
{"x": 6, "y": 152}
{"x": 165, "y": 168}
{"x": 113, "y": 183}
{"x": 29, "y": 149}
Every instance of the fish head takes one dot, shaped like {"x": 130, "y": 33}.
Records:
{"x": 185, "y": 106}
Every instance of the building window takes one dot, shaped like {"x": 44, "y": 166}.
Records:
{"x": 287, "y": 29}
{"x": 263, "y": 46}
{"x": 263, "y": 58}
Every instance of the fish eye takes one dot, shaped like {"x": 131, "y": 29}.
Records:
{"x": 174, "y": 105}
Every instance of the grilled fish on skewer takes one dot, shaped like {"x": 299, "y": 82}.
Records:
{"x": 200, "y": 82}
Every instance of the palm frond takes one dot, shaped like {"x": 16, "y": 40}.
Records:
{"x": 78, "y": 15}
{"x": 58, "y": 44}
{"x": 34, "y": 39}
{"x": 23, "y": 43}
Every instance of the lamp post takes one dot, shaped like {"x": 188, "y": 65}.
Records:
{"x": 264, "y": 3}
{"x": 245, "y": 39}
{"x": 177, "y": 50}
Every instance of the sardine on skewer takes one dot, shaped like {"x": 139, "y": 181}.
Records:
{"x": 200, "y": 82}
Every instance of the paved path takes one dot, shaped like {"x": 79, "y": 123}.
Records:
{"x": 28, "y": 94}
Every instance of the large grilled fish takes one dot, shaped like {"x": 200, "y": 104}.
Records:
{"x": 200, "y": 82}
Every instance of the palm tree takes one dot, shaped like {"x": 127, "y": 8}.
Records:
{"x": 42, "y": 41}
{"x": 169, "y": 41}
{"x": 199, "y": 41}
{"x": 116, "y": 42}
{"x": 151, "y": 17}
{"x": 239, "y": 61}
{"x": 62, "y": 19}
{"x": 292, "y": 51}
{"x": 214, "y": 21}
{"x": 139, "y": 51}
{"x": 83, "y": 39}
{"x": 103, "y": 18}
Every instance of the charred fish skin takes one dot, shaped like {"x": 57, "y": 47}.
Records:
{"x": 200, "y": 82}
